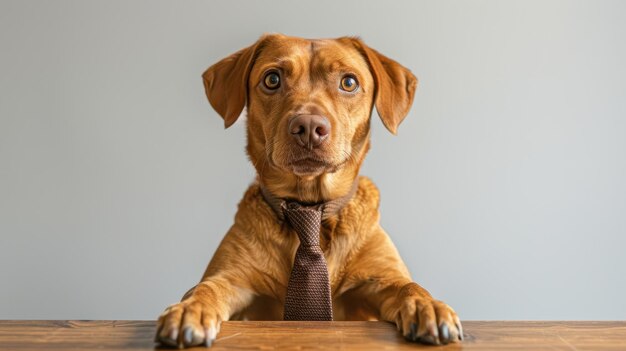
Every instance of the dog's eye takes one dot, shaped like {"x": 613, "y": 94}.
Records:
{"x": 349, "y": 84}
{"x": 272, "y": 81}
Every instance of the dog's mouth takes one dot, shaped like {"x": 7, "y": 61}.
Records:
{"x": 312, "y": 165}
{"x": 309, "y": 165}
{"x": 303, "y": 162}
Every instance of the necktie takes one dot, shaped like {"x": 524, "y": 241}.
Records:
{"x": 308, "y": 291}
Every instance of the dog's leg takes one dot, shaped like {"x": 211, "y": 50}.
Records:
{"x": 225, "y": 289}
{"x": 381, "y": 279}
{"x": 418, "y": 316}
{"x": 196, "y": 319}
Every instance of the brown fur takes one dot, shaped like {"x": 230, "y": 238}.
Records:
{"x": 248, "y": 275}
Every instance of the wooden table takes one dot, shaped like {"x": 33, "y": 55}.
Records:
{"x": 138, "y": 335}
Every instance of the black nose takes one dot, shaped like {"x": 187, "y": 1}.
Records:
{"x": 309, "y": 130}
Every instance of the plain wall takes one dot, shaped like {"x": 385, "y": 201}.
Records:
{"x": 505, "y": 190}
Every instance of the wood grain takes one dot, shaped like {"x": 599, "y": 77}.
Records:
{"x": 138, "y": 335}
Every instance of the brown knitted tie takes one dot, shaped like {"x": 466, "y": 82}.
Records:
{"x": 308, "y": 292}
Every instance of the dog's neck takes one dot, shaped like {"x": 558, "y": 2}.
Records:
{"x": 328, "y": 208}
{"x": 318, "y": 189}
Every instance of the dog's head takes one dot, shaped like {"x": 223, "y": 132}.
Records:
{"x": 309, "y": 104}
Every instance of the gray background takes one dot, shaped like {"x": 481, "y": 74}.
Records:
{"x": 505, "y": 189}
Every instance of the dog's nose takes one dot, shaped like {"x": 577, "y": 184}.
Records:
{"x": 309, "y": 130}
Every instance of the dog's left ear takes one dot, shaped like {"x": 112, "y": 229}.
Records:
{"x": 395, "y": 86}
{"x": 226, "y": 83}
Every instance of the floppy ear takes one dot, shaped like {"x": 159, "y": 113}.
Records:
{"x": 395, "y": 86}
{"x": 226, "y": 83}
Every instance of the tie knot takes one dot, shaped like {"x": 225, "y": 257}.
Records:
{"x": 306, "y": 221}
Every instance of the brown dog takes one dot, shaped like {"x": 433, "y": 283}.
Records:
{"x": 309, "y": 104}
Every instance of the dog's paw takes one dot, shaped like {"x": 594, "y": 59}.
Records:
{"x": 428, "y": 321}
{"x": 186, "y": 324}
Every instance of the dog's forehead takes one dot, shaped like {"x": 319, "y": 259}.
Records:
{"x": 328, "y": 53}
{"x": 334, "y": 53}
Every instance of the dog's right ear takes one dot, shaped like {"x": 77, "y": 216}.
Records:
{"x": 226, "y": 83}
{"x": 395, "y": 86}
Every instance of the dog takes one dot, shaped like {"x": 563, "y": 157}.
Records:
{"x": 309, "y": 105}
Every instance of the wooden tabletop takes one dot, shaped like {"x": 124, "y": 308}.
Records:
{"x": 138, "y": 335}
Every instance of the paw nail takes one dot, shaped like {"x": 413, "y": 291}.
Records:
{"x": 212, "y": 333}
{"x": 428, "y": 339}
{"x": 170, "y": 339}
{"x": 413, "y": 331}
{"x": 444, "y": 333}
{"x": 460, "y": 329}
{"x": 173, "y": 335}
{"x": 187, "y": 336}
{"x": 158, "y": 333}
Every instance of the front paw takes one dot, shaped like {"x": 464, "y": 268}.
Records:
{"x": 428, "y": 321}
{"x": 188, "y": 323}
